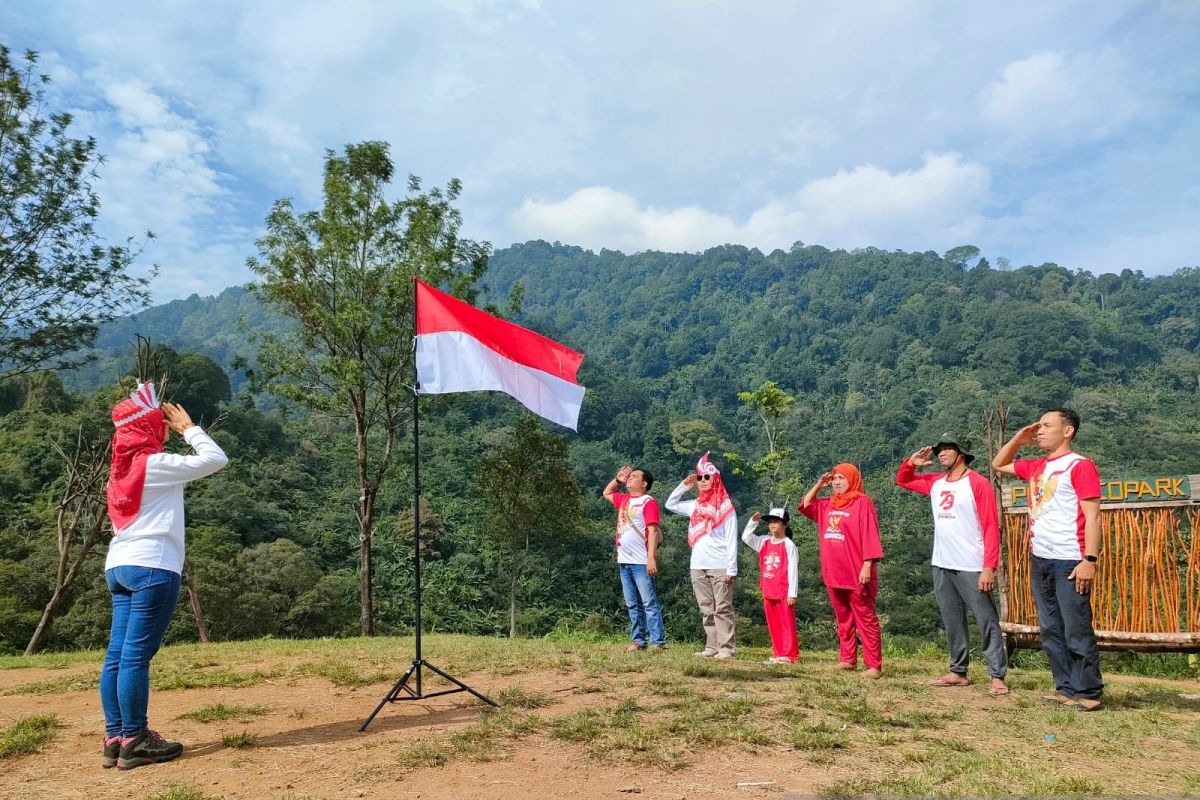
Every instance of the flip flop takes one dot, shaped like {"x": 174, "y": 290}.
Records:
{"x": 999, "y": 692}
{"x": 946, "y": 683}
{"x": 1085, "y": 707}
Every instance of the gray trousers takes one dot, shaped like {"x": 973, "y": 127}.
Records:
{"x": 956, "y": 592}
{"x": 715, "y": 598}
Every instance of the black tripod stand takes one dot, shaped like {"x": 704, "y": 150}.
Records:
{"x": 409, "y": 686}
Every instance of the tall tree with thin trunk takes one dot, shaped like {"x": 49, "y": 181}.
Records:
{"x": 345, "y": 274}
{"x": 81, "y": 521}
{"x": 58, "y": 280}
{"x": 532, "y": 498}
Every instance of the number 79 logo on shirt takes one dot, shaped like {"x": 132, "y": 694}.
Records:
{"x": 947, "y": 501}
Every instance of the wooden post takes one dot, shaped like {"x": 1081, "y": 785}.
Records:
{"x": 194, "y": 600}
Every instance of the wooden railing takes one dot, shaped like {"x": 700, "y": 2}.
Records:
{"x": 1147, "y": 593}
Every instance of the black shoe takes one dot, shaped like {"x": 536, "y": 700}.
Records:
{"x": 112, "y": 749}
{"x": 146, "y": 748}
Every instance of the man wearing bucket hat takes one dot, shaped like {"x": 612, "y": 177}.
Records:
{"x": 966, "y": 553}
{"x": 713, "y": 537}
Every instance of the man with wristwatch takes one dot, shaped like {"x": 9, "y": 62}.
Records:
{"x": 1064, "y": 531}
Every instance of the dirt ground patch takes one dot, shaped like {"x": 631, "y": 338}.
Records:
{"x": 594, "y": 722}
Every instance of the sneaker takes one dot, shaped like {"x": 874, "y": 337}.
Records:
{"x": 146, "y": 748}
{"x": 847, "y": 666}
{"x": 723, "y": 655}
{"x": 658, "y": 647}
{"x": 873, "y": 673}
{"x": 778, "y": 660}
{"x": 112, "y": 749}
{"x": 706, "y": 653}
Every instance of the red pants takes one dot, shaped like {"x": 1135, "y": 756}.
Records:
{"x": 856, "y": 619}
{"x": 781, "y": 622}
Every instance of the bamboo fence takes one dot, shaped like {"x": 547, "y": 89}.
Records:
{"x": 1148, "y": 579}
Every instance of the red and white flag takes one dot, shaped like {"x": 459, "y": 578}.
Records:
{"x": 463, "y": 349}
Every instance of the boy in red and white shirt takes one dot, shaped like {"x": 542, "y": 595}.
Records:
{"x": 1064, "y": 542}
{"x": 966, "y": 553}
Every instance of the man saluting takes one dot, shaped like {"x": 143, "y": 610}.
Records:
{"x": 966, "y": 553}
{"x": 1064, "y": 543}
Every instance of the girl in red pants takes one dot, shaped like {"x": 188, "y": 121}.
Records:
{"x": 850, "y": 549}
{"x": 777, "y": 563}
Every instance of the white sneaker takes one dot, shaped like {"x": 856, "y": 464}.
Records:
{"x": 706, "y": 653}
{"x": 723, "y": 655}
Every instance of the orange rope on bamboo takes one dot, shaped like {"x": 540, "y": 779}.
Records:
{"x": 1149, "y": 574}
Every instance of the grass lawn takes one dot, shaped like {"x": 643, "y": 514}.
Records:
{"x": 664, "y": 713}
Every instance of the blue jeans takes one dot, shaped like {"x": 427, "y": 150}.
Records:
{"x": 1065, "y": 619}
{"x": 641, "y": 598}
{"x": 143, "y": 602}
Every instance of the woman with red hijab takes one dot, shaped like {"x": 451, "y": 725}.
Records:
{"x": 850, "y": 549}
{"x": 144, "y": 564}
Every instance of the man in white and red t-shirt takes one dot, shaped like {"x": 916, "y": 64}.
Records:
{"x": 638, "y": 525}
{"x": 1064, "y": 542}
{"x": 966, "y": 553}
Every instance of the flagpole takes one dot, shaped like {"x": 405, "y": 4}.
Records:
{"x": 401, "y": 690}
{"x": 416, "y": 500}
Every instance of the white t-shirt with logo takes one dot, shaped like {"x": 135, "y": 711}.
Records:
{"x": 966, "y": 528}
{"x": 1056, "y": 522}
{"x": 634, "y": 516}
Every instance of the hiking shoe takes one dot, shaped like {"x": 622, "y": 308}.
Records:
{"x": 146, "y": 748}
{"x": 112, "y": 749}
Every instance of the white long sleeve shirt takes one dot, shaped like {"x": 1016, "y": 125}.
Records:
{"x": 756, "y": 543}
{"x": 155, "y": 537}
{"x": 718, "y": 550}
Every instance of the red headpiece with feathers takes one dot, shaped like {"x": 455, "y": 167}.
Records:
{"x": 139, "y": 434}
{"x": 712, "y": 506}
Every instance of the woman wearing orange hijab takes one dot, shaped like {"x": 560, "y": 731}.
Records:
{"x": 850, "y": 549}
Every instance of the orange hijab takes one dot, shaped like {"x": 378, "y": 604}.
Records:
{"x": 853, "y": 491}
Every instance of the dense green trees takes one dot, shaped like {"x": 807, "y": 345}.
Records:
{"x": 881, "y": 351}
{"x": 58, "y": 280}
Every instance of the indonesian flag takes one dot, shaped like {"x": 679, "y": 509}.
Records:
{"x": 463, "y": 349}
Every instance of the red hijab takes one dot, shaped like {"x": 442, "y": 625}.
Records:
{"x": 712, "y": 506}
{"x": 853, "y": 491}
{"x": 139, "y": 435}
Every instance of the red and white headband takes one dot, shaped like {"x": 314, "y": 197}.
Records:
{"x": 143, "y": 401}
{"x": 706, "y": 467}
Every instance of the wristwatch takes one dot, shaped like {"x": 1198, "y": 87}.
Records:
{"x": 1092, "y": 559}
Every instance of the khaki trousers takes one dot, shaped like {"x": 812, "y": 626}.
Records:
{"x": 715, "y": 598}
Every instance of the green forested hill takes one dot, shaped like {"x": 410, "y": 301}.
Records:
{"x": 883, "y": 351}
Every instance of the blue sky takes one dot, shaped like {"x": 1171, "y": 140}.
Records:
{"x": 1039, "y": 131}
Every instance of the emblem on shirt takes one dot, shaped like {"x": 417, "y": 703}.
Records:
{"x": 947, "y": 501}
{"x": 1041, "y": 492}
{"x": 770, "y": 564}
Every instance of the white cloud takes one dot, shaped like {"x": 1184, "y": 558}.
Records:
{"x": 598, "y": 216}
{"x": 1088, "y": 95}
{"x": 936, "y": 206}
{"x": 711, "y": 122}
